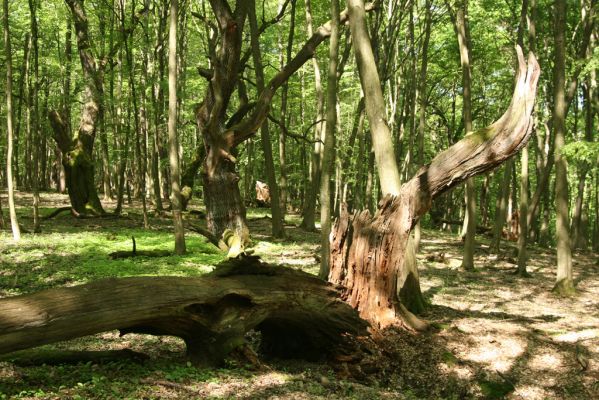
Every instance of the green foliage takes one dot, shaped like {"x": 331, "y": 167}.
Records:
{"x": 583, "y": 154}
{"x": 73, "y": 256}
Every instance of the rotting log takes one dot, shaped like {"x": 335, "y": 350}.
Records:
{"x": 297, "y": 314}
{"x": 371, "y": 256}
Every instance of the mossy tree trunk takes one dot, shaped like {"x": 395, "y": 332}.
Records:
{"x": 77, "y": 149}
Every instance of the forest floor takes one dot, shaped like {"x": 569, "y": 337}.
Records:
{"x": 495, "y": 335}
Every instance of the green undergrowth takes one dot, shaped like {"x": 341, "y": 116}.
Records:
{"x": 71, "y": 252}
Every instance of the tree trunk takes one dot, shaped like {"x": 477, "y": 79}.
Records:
{"x": 284, "y": 98}
{"x": 14, "y": 223}
{"x": 158, "y": 102}
{"x": 17, "y": 130}
{"x": 578, "y": 238}
{"x": 523, "y": 237}
{"x": 463, "y": 34}
{"x": 173, "y": 141}
{"x": 371, "y": 257}
{"x": 309, "y": 209}
{"x": 375, "y": 106}
{"x": 120, "y": 128}
{"x": 352, "y": 164}
{"x": 211, "y": 313}
{"x": 423, "y": 102}
{"x": 328, "y": 157}
{"x": 35, "y": 120}
{"x": 220, "y": 138}
{"x": 523, "y": 212}
{"x": 501, "y": 209}
{"x": 275, "y": 196}
{"x": 77, "y": 151}
{"x": 564, "y": 281}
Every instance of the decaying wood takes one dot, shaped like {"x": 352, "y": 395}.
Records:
{"x": 369, "y": 254}
{"x": 297, "y": 314}
{"x": 262, "y": 194}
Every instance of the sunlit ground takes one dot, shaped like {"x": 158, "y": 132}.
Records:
{"x": 512, "y": 329}
{"x": 496, "y": 335}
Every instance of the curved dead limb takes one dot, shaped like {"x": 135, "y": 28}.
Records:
{"x": 369, "y": 254}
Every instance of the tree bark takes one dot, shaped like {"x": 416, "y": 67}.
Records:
{"x": 14, "y": 223}
{"x": 501, "y": 209}
{"x": 523, "y": 238}
{"x": 578, "y": 239}
{"x": 284, "y": 100}
{"x": 17, "y": 129}
{"x": 35, "y": 120}
{"x": 370, "y": 256}
{"x": 173, "y": 141}
{"x": 523, "y": 213}
{"x": 423, "y": 101}
{"x": 328, "y": 157}
{"x": 564, "y": 281}
{"x": 276, "y": 200}
{"x": 463, "y": 34}
{"x": 375, "y": 106}
{"x": 77, "y": 150}
{"x": 309, "y": 209}
{"x": 297, "y": 314}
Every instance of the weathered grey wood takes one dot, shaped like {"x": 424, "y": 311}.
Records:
{"x": 298, "y": 314}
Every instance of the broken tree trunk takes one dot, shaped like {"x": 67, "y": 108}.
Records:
{"x": 297, "y": 314}
{"x": 369, "y": 256}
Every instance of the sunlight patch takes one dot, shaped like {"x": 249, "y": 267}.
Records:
{"x": 550, "y": 360}
{"x": 533, "y": 393}
{"x": 572, "y": 337}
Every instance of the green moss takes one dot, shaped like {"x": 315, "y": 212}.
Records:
{"x": 449, "y": 358}
{"x": 564, "y": 288}
{"x": 495, "y": 390}
{"x": 480, "y": 136}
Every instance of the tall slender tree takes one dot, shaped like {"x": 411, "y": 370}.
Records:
{"x": 16, "y": 231}
{"x": 313, "y": 184}
{"x": 564, "y": 281}
{"x": 422, "y": 81}
{"x": 460, "y": 19}
{"x": 35, "y": 121}
{"x": 523, "y": 211}
{"x": 328, "y": 159}
{"x": 173, "y": 141}
{"x": 375, "y": 106}
{"x": 275, "y": 202}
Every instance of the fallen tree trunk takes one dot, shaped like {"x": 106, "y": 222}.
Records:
{"x": 372, "y": 256}
{"x": 297, "y": 314}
